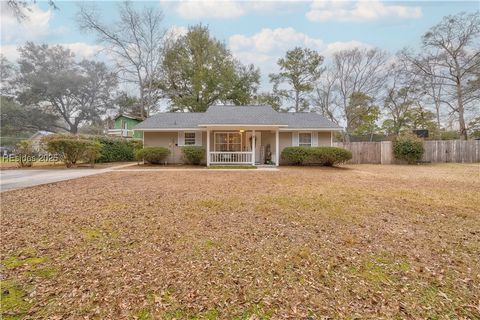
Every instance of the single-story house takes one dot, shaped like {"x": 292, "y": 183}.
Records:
{"x": 236, "y": 134}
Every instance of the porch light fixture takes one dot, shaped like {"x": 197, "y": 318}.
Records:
{"x": 242, "y": 131}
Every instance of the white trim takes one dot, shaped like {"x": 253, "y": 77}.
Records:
{"x": 195, "y": 137}
{"x": 311, "y": 138}
{"x": 277, "y": 148}
{"x": 295, "y": 139}
{"x": 171, "y": 129}
{"x": 314, "y": 138}
{"x": 208, "y": 147}
{"x": 242, "y": 125}
{"x": 238, "y": 126}
{"x": 254, "y": 144}
{"x": 310, "y": 129}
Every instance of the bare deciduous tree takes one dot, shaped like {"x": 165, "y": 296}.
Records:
{"x": 22, "y": 8}
{"x": 451, "y": 59}
{"x": 136, "y": 41}
{"x": 323, "y": 97}
{"x": 358, "y": 71}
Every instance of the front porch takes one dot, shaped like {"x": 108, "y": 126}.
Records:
{"x": 243, "y": 146}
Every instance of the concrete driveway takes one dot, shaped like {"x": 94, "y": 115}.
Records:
{"x": 17, "y": 178}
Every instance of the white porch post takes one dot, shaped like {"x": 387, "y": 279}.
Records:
{"x": 277, "y": 148}
{"x": 208, "y": 147}
{"x": 254, "y": 141}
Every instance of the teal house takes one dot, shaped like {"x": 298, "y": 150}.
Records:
{"x": 123, "y": 127}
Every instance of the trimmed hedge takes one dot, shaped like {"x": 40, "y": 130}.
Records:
{"x": 117, "y": 149}
{"x": 153, "y": 155}
{"x": 194, "y": 154}
{"x": 72, "y": 148}
{"x": 408, "y": 148}
{"x": 325, "y": 156}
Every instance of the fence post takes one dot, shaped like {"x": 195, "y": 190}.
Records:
{"x": 386, "y": 152}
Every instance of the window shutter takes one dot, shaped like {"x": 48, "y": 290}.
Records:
{"x": 295, "y": 139}
{"x": 314, "y": 139}
{"x": 181, "y": 138}
{"x": 198, "y": 138}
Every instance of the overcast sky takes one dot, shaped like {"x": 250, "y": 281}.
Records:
{"x": 256, "y": 32}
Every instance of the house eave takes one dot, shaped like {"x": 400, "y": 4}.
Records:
{"x": 169, "y": 129}
{"x": 309, "y": 129}
{"x": 242, "y": 125}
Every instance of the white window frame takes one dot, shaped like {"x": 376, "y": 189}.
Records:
{"x": 304, "y": 144}
{"x": 189, "y": 139}
{"x": 228, "y": 133}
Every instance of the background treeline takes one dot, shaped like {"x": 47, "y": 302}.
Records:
{"x": 368, "y": 91}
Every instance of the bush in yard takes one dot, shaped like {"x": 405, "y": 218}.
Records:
{"x": 194, "y": 154}
{"x": 116, "y": 149}
{"x": 25, "y": 153}
{"x": 329, "y": 156}
{"x": 325, "y": 156}
{"x": 153, "y": 155}
{"x": 72, "y": 148}
{"x": 295, "y": 155}
{"x": 408, "y": 148}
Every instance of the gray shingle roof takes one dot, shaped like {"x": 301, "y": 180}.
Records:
{"x": 248, "y": 115}
{"x": 242, "y": 115}
{"x": 174, "y": 120}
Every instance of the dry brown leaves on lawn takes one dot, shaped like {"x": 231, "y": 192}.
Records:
{"x": 302, "y": 243}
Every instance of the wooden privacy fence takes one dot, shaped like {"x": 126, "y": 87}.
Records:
{"x": 435, "y": 151}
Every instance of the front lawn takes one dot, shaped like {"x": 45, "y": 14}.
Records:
{"x": 364, "y": 241}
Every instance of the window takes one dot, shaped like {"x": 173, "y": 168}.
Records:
{"x": 305, "y": 139}
{"x": 228, "y": 141}
{"x": 189, "y": 139}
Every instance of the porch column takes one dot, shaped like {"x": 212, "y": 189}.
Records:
{"x": 277, "y": 148}
{"x": 254, "y": 141}
{"x": 208, "y": 146}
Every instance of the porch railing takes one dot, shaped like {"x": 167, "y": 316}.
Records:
{"x": 120, "y": 132}
{"x": 218, "y": 157}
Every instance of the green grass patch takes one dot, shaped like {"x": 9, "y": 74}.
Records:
{"x": 256, "y": 311}
{"x": 381, "y": 269}
{"x": 92, "y": 234}
{"x": 13, "y": 304}
{"x": 143, "y": 314}
{"x": 232, "y": 166}
{"x": 15, "y": 262}
{"x": 46, "y": 272}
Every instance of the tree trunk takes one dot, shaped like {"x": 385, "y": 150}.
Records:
{"x": 461, "y": 111}
{"x": 460, "y": 108}
{"x": 73, "y": 129}
{"x": 296, "y": 100}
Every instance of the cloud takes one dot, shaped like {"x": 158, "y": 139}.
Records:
{"x": 338, "y": 46}
{"x": 265, "y": 47}
{"x": 268, "y": 40}
{"x": 36, "y": 25}
{"x": 225, "y": 9}
{"x": 359, "y": 10}
{"x": 81, "y": 50}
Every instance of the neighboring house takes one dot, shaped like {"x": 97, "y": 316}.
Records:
{"x": 236, "y": 134}
{"x": 123, "y": 126}
{"x": 36, "y": 139}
